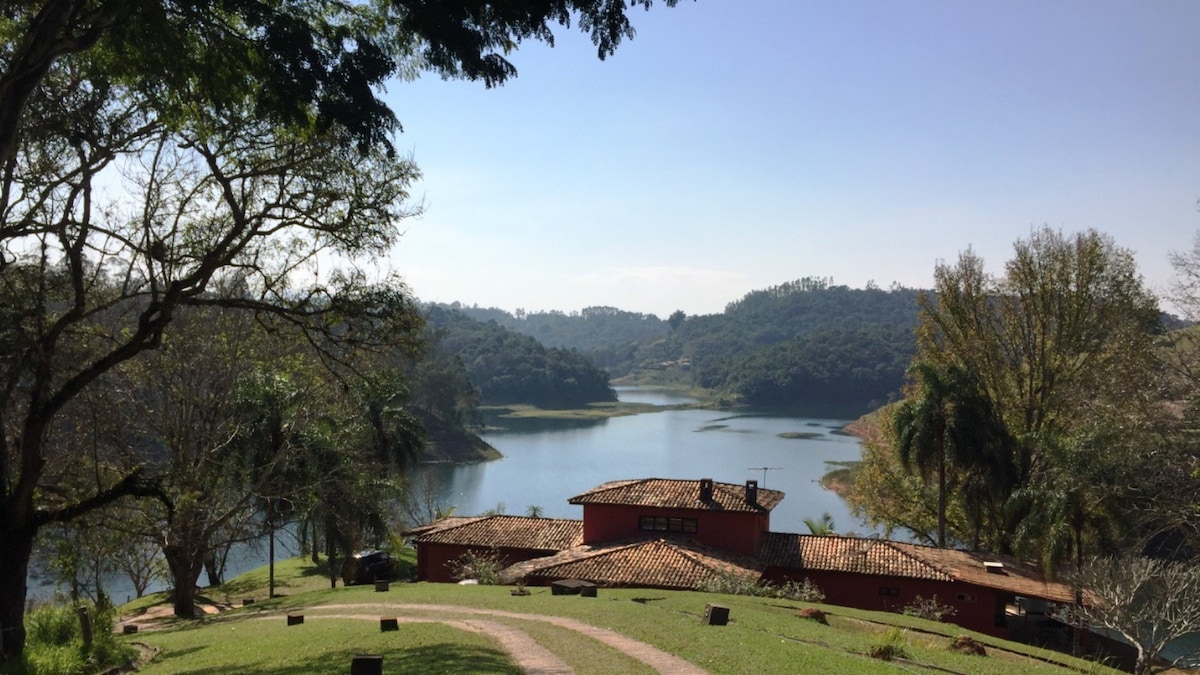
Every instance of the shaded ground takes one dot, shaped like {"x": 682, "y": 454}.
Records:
{"x": 525, "y": 651}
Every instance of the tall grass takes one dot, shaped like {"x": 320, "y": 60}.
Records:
{"x": 54, "y": 642}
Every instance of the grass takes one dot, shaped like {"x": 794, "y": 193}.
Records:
{"x": 764, "y": 635}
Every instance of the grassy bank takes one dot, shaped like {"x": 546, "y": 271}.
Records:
{"x": 764, "y": 635}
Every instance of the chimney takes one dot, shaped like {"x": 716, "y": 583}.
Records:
{"x": 752, "y": 492}
{"x": 706, "y": 486}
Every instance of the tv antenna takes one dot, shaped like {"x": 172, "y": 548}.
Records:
{"x": 765, "y": 469}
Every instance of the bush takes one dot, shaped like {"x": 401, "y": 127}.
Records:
{"x": 805, "y": 591}
{"x": 892, "y": 645}
{"x": 928, "y": 608}
{"x": 54, "y": 644}
{"x": 482, "y": 567}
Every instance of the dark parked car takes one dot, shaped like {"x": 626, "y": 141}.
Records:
{"x": 367, "y": 567}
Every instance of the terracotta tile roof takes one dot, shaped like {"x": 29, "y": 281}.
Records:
{"x": 543, "y": 534}
{"x": 846, "y": 554}
{"x": 441, "y": 523}
{"x": 655, "y": 563}
{"x": 900, "y": 559}
{"x": 1016, "y": 576}
{"x": 678, "y": 494}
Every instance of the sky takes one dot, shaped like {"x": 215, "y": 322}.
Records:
{"x": 735, "y": 145}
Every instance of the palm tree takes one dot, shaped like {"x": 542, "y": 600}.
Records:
{"x": 947, "y": 423}
{"x": 1072, "y": 502}
{"x": 821, "y": 527}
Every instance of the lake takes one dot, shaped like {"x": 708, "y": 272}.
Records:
{"x": 546, "y": 462}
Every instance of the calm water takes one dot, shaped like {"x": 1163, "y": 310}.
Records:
{"x": 545, "y": 464}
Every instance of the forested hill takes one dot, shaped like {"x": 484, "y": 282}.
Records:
{"x": 588, "y": 330}
{"x": 805, "y": 343}
{"x": 508, "y": 367}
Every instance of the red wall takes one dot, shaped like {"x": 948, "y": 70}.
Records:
{"x": 730, "y": 531}
{"x": 863, "y": 592}
{"x": 434, "y": 561}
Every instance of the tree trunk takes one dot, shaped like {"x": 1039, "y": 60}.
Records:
{"x": 271, "y": 559}
{"x": 941, "y": 505}
{"x": 185, "y": 565}
{"x": 16, "y": 546}
{"x": 316, "y": 543}
{"x": 331, "y": 553}
{"x": 212, "y": 570}
{"x": 1142, "y": 665}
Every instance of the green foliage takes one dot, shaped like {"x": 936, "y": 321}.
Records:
{"x": 507, "y": 367}
{"x": 593, "y": 330}
{"x": 946, "y": 430}
{"x": 820, "y": 527}
{"x": 730, "y": 584}
{"x": 893, "y": 644}
{"x": 806, "y": 343}
{"x": 803, "y": 343}
{"x": 1031, "y": 390}
{"x": 55, "y": 644}
{"x": 928, "y": 608}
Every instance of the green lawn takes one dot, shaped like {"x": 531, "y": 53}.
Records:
{"x": 764, "y": 635}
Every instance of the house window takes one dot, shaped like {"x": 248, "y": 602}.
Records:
{"x": 664, "y": 524}
{"x": 888, "y": 590}
{"x": 966, "y": 597}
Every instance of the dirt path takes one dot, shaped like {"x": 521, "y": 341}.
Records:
{"x": 531, "y": 656}
{"x": 524, "y": 650}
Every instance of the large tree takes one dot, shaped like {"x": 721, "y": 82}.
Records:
{"x": 252, "y": 143}
{"x": 1060, "y": 350}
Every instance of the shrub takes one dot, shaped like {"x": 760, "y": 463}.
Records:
{"x": 804, "y": 591}
{"x": 482, "y": 567}
{"x": 891, "y": 645}
{"x": 54, "y": 643}
{"x": 928, "y": 608}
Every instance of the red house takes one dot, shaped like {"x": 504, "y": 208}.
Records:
{"x": 730, "y": 517}
{"x": 680, "y": 534}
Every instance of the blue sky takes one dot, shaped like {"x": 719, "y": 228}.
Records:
{"x": 738, "y": 144}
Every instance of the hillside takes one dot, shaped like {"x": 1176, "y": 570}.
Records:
{"x": 507, "y": 367}
{"x": 471, "y": 629}
{"x": 806, "y": 344}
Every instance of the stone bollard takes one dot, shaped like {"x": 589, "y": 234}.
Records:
{"x": 716, "y": 615}
{"x": 388, "y": 623}
{"x": 366, "y": 664}
{"x": 295, "y": 619}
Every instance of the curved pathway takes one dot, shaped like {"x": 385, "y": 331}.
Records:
{"x": 525, "y": 651}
